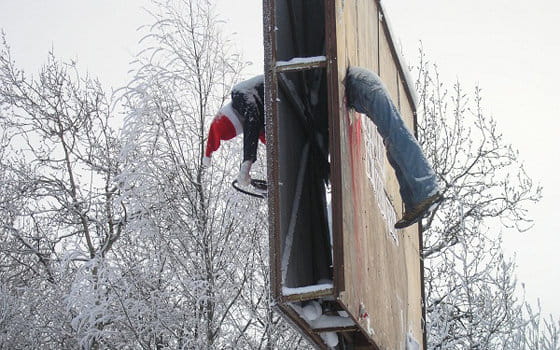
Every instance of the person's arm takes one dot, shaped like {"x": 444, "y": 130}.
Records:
{"x": 251, "y": 131}
{"x": 252, "y": 128}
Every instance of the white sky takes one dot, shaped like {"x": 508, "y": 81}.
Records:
{"x": 510, "y": 48}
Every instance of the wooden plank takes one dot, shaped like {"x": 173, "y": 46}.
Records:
{"x": 336, "y": 329}
{"x": 376, "y": 267}
{"x": 413, "y": 320}
{"x": 299, "y": 64}
{"x": 389, "y": 74}
{"x": 366, "y": 34}
{"x": 307, "y": 296}
{"x": 411, "y": 238}
{"x": 388, "y": 71}
{"x": 406, "y": 109}
{"x": 381, "y": 272}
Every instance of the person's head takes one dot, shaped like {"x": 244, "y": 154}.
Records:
{"x": 225, "y": 126}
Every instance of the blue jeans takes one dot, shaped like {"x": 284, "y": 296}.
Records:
{"x": 367, "y": 95}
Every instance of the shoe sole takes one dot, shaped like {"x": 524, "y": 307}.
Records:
{"x": 402, "y": 223}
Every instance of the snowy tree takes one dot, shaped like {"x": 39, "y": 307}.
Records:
{"x": 194, "y": 261}
{"x": 127, "y": 241}
{"x": 472, "y": 297}
{"x": 57, "y": 204}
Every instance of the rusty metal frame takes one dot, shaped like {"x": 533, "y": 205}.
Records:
{"x": 334, "y": 134}
{"x": 275, "y": 82}
{"x": 272, "y": 144}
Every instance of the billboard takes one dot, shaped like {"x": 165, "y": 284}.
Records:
{"x": 340, "y": 271}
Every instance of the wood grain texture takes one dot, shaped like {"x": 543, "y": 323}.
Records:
{"x": 382, "y": 274}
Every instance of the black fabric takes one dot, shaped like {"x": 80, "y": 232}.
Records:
{"x": 251, "y": 107}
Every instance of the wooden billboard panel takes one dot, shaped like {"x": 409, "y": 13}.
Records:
{"x": 341, "y": 272}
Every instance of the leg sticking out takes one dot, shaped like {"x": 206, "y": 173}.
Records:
{"x": 418, "y": 185}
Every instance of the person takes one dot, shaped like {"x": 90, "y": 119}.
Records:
{"x": 243, "y": 115}
{"x": 366, "y": 93}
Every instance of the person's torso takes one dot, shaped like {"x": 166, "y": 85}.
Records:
{"x": 251, "y": 91}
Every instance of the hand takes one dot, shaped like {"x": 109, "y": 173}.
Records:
{"x": 244, "y": 179}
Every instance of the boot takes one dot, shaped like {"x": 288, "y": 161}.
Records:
{"x": 415, "y": 213}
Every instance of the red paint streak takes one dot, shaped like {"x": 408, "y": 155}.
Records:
{"x": 354, "y": 123}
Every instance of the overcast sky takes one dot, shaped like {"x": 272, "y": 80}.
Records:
{"x": 509, "y": 48}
